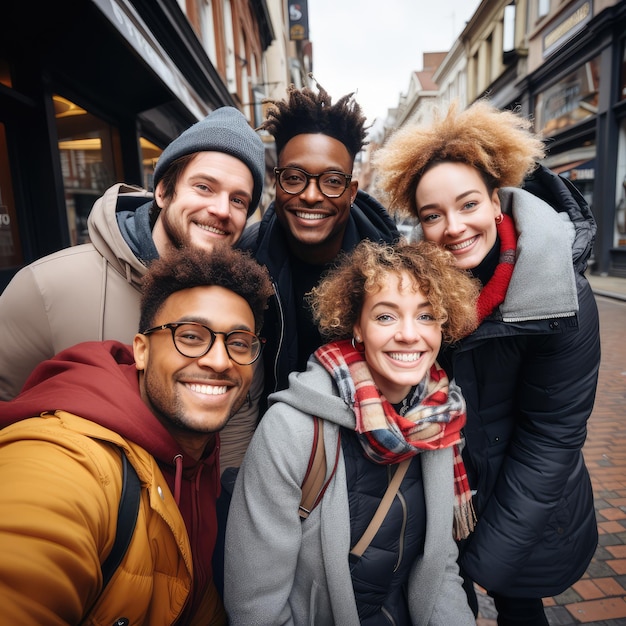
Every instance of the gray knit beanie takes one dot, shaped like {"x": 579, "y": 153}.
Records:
{"x": 223, "y": 130}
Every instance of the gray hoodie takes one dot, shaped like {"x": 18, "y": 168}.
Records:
{"x": 280, "y": 570}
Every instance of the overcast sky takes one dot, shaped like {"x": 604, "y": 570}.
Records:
{"x": 372, "y": 46}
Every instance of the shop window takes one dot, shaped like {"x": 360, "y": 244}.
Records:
{"x": 570, "y": 101}
{"x": 207, "y": 27}
{"x": 231, "y": 77}
{"x": 5, "y": 73}
{"x": 91, "y": 160}
{"x": 508, "y": 29}
{"x": 620, "y": 197}
{"x": 623, "y": 75}
{"x": 149, "y": 156}
{"x": 620, "y": 217}
{"x": 581, "y": 172}
{"x": 244, "y": 75}
{"x": 10, "y": 249}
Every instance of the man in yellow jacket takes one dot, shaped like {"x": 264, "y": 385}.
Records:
{"x": 207, "y": 182}
{"x": 160, "y": 404}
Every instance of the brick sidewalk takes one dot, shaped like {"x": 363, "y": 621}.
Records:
{"x": 599, "y": 598}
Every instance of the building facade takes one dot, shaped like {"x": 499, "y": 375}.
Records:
{"x": 576, "y": 92}
{"x": 563, "y": 64}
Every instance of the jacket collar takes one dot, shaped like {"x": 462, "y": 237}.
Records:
{"x": 368, "y": 220}
{"x": 545, "y": 289}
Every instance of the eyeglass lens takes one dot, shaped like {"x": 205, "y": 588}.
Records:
{"x": 294, "y": 180}
{"x": 195, "y": 340}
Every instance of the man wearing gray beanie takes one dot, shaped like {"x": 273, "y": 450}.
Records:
{"x": 224, "y": 130}
{"x": 207, "y": 182}
{"x": 202, "y": 181}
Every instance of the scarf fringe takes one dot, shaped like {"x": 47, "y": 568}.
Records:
{"x": 464, "y": 520}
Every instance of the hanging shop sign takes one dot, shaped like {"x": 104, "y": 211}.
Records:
{"x": 573, "y": 21}
{"x": 298, "y": 20}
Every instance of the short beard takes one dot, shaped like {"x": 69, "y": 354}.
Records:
{"x": 175, "y": 239}
{"x": 172, "y": 414}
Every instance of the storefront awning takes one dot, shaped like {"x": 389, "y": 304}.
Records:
{"x": 131, "y": 27}
{"x": 577, "y": 170}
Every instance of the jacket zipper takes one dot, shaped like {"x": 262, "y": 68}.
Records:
{"x": 402, "y": 535}
{"x": 281, "y": 336}
{"x": 384, "y": 611}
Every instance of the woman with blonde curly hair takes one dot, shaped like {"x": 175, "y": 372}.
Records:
{"x": 391, "y": 427}
{"x": 529, "y": 372}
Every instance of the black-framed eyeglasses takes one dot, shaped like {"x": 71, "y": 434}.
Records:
{"x": 194, "y": 340}
{"x": 294, "y": 180}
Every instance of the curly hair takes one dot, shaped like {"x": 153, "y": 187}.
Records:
{"x": 338, "y": 299}
{"x": 305, "y": 111}
{"x": 186, "y": 268}
{"x": 499, "y": 144}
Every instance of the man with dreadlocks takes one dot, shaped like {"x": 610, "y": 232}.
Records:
{"x": 318, "y": 213}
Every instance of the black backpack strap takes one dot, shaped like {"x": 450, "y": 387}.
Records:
{"x": 126, "y": 520}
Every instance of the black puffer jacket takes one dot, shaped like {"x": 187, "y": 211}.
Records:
{"x": 380, "y": 576}
{"x": 529, "y": 376}
{"x": 267, "y": 242}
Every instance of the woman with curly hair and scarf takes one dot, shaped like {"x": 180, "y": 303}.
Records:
{"x": 529, "y": 372}
{"x": 390, "y": 417}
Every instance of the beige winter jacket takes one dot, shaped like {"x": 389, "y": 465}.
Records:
{"x": 84, "y": 293}
{"x": 89, "y": 292}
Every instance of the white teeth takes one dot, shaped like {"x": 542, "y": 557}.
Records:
{"x": 310, "y": 216}
{"x": 460, "y": 246}
{"x": 211, "y": 229}
{"x": 406, "y": 357}
{"x": 209, "y": 390}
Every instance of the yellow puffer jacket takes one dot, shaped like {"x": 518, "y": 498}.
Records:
{"x": 60, "y": 488}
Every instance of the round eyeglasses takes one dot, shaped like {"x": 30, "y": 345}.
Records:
{"x": 194, "y": 340}
{"x": 293, "y": 180}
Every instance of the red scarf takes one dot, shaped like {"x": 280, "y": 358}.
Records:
{"x": 494, "y": 292}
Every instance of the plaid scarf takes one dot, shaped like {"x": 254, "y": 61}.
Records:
{"x": 433, "y": 420}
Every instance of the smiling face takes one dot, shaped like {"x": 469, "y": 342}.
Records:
{"x": 457, "y": 211}
{"x": 193, "y": 397}
{"x": 210, "y": 204}
{"x": 315, "y": 224}
{"x": 400, "y": 334}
